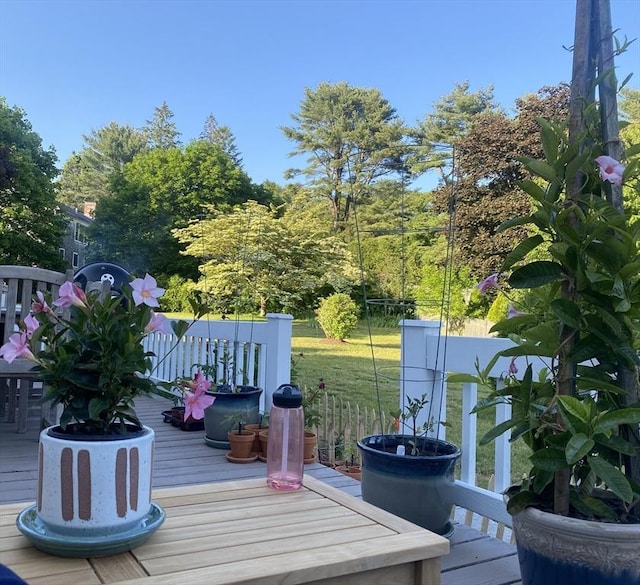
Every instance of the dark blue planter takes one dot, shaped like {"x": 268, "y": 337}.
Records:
{"x": 555, "y": 549}
{"x": 218, "y": 417}
{"x": 418, "y": 488}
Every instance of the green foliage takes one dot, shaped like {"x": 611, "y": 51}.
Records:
{"x": 161, "y": 131}
{"x": 178, "y": 292}
{"x": 351, "y": 137}
{"x": 498, "y": 309}
{"x": 582, "y": 310}
{"x": 337, "y": 315}
{"x": 93, "y": 362}
{"x": 31, "y": 225}
{"x": 86, "y": 175}
{"x": 256, "y": 260}
{"x": 158, "y": 192}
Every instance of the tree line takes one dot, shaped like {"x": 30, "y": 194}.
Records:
{"x": 350, "y": 219}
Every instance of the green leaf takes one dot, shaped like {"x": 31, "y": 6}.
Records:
{"x": 498, "y": 430}
{"x": 463, "y": 378}
{"x": 535, "y": 274}
{"x": 609, "y": 421}
{"x": 612, "y": 477}
{"x": 533, "y": 189}
{"x": 521, "y": 250}
{"x": 578, "y": 447}
{"x": 574, "y": 407}
{"x": 523, "y": 499}
{"x": 549, "y": 140}
{"x": 542, "y": 169}
{"x": 549, "y": 459}
{"x": 567, "y": 312}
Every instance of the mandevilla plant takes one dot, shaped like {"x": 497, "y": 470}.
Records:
{"x": 92, "y": 361}
{"x": 580, "y": 313}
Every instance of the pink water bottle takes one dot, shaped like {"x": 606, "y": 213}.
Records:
{"x": 285, "y": 450}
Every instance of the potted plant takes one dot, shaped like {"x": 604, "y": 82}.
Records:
{"x": 94, "y": 476}
{"x": 411, "y": 475}
{"x": 191, "y": 400}
{"x": 241, "y": 440}
{"x": 576, "y": 514}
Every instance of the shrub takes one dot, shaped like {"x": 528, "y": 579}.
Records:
{"x": 337, "y": 315}
{"x": 176, "y": 296}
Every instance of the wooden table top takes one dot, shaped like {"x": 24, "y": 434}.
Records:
{"x": 245, "y": 532}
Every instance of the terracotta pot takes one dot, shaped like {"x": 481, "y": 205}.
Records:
{"x": 241, "y": 444}
{"x": 264, "y": 441}
{"x": 310, "y": 442}
{"x": 255, "y": 428}
{"x": 354, "y": 471}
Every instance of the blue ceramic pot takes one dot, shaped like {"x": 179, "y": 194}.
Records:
{"x": 417, "y": 488}
{"x": 218, "y": 418}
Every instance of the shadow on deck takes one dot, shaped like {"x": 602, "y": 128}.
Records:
{"x": 182, "y": 458}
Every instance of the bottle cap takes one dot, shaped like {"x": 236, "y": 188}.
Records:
{"x": 287, "y": 396}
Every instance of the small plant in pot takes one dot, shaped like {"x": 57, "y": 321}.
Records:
{"x": 95, "y": 466}
{"x": 241, "y": 440}
{"x": 576, "y": 514}
{"x": 190, "y": 402}
{"x": 411, "y": 475}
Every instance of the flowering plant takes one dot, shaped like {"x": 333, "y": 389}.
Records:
{"x": 91, "y": 359}
{"x": 579, "y": 314}
{"x": 193, "y": 395}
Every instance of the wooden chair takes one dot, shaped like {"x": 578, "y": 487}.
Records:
{"x": 18, "y": 287}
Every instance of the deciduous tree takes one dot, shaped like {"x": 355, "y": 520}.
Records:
{"x": 31, "y": 226}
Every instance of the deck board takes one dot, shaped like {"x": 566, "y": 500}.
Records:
{"x": 182, "y": 458}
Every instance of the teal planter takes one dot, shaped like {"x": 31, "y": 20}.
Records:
{"x": 418, "y": 488}
{"x": 218, "y": 418}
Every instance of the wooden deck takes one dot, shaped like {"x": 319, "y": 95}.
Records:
{"x": 183, "y": 458}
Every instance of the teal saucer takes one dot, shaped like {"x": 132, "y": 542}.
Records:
{"x": 65, "y": 545}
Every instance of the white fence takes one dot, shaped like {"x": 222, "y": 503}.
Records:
{"x": 256, "y": 353}
{"x": 425, "y": 359}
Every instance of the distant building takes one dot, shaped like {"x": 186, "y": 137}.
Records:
{"x": 74, "y": 245}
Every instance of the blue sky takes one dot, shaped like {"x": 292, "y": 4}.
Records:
{"x": 75, "y": 66}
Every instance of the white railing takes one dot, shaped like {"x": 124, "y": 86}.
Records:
{"x": 425, "y": 359}
{"x": 255, "y": 353}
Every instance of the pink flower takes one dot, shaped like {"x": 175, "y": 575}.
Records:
{"x": 513, "y": 369}
{"x": 158, "y": 324}
{"x": 488, "y": 283}
{"x": 200, "y": 384}
{"x": 610, "y": 169}
{"x": 195, "y": 403}
{"x": 70, "y": 294}
{"x": 40, "y": 306}
{"x": 513, "y": 312}
{"x": 16, "y": 347}
{"x": 32, "y": 324}
{"x": 146, "y": 290}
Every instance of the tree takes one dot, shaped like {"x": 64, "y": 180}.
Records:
{"x": 629, "y": 106}
{"x": 162, "y": 190}
{"x": 31, "y": 225}
{"x": 252, "y": 259}
{"x": 352, "y": 137}
{"x": 452, "y": 117}
{"x": 487, "y": 192}
{"x": 86, "y": 175}
{"x": 161, "y": 130}
{"x": 214, "y": 133}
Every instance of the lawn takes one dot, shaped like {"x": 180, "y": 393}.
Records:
{"x": 347, "y": 370}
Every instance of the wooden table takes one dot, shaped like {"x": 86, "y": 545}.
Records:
{"x": 244, "y": 532}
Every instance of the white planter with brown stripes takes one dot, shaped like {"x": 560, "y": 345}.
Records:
{"x": 92, "y": 485}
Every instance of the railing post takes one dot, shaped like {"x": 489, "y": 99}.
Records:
{"x": 279, "y": 330}
{"x": 468, "y": 435}
{"x": 419, "y": 372}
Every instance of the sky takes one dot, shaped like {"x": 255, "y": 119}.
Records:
{"x": 76, "y": 66}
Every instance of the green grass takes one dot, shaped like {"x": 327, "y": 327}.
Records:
{"x": 347, "y": 369}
